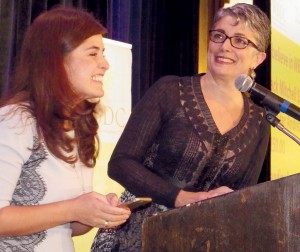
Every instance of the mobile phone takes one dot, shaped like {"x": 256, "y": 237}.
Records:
{"x": 136, "y": 203}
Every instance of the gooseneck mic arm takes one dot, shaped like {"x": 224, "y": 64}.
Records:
{"x": 275, "y": 122}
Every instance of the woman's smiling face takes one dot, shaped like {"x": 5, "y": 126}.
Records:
{"x": 226, "y": 61}
{"x": 86, "y": 66}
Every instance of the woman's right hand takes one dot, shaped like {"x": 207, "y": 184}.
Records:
{"x": 184, "y": 197}
{"x": 97, "y": 210}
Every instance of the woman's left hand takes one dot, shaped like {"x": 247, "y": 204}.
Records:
{"x": 219, "y": 191}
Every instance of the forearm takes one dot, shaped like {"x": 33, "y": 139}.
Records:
{"x": 25, "y": 220}
{"x": 91, "y": 209}
{"x": 142, "y": 182}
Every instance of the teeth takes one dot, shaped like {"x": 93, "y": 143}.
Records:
{"x": 97, "y": 78}
{"x": 224, "y": 59}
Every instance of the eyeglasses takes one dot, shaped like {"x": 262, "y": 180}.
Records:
{"x": 236, "y": 41}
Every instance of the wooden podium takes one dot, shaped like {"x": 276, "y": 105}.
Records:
{"x": 261, "y": 218}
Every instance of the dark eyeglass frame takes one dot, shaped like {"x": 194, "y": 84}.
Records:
{"x": 227, "y": 37}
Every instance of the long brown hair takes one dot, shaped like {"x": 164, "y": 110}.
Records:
{"x": 41, "y": 86}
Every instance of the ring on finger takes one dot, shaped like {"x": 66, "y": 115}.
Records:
{"x": 106, "y": 223}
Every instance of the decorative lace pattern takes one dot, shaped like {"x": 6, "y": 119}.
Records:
{"x": 29, "y": 191}
{"x": 213, "y": 161}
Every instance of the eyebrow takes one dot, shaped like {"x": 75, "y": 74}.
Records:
{"x": 240, "y": 34}
{"x": 92, "y": 47}
{"x": 235, "y": 34}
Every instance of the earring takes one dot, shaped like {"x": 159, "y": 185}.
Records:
{"x": 251, "y": 73}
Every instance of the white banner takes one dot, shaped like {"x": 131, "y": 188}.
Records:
{"x": 117, "y": 88}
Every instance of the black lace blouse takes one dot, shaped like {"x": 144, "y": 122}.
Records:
{"x": 171, "y": 142}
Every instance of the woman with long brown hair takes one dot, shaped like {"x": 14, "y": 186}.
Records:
{"x": 48, "y": 136}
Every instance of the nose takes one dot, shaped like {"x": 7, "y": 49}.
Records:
{"x": 227, "y": 44}
{"x": 103, "y": 64}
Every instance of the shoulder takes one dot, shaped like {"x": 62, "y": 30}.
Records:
{"x": 17, "y": 133}
{"x": 15, "y": 118}
{"x": 173, "y": 83}
{"x": 163, "y": 88}
{"x": 166, "y": 81}
{"x": 175, "y": 79}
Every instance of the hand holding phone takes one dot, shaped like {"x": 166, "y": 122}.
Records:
{"x": 136, "y": 203}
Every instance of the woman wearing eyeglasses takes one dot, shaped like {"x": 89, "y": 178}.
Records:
{"x": 193, "y": 138}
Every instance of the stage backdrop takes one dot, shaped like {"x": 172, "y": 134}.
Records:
{"x": 117, "y": 108}
{"x": 285, "y": 75}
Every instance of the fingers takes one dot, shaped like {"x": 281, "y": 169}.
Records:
{"x": 112, "y": 198}
{"x": 96, "y": 210}
{"x": 185, "y": 197}
{"x": 219, "y": 191}
{"x": 110, "y": 224}
{"x": 108, "y": 220}
{"x": 113, "y": 210}
{"x": 111, "y": 216}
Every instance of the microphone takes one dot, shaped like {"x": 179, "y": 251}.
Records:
{"x": 265, "y": 97}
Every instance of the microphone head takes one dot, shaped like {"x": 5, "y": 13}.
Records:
{"x": 244, "y": 83}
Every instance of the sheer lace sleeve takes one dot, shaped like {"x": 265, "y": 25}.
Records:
{"x": 147, "y": 119}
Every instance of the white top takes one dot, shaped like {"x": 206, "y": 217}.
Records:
{"x": 36, "y": 177}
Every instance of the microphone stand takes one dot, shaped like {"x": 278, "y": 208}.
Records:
{"x": 275, "y": 122}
